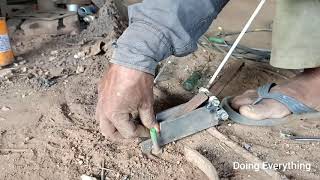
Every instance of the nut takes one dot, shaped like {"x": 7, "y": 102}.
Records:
{"x": 214, "y": 101}
{"x": 222, "y": 114}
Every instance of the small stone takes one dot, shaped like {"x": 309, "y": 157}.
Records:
{"x": 24, "y": 69}
{"x": 80, "y": 162}
{"x": 54, "y": 52}
{"x": 23, "y": 95}
{"x": 15, "y": 64}
{"x": 86, "y": 177}
{"x": 51, "y": 58}
{"x": 204, "y": 150}
{"x": 5, "y": 72}
{"x": 5, "y": 108}
{"x": 19, "y": 58}
{"x": 27, "y": 139}
{"x": 79, "y": 55}
{"x": 80, "y": 69}
{"x": 247, "y": 146}
{"x": 22, "y": 62}
{"x": 125, "y": 177}
{"x": 40, "y": 72}
{"x": 2, "y": 119}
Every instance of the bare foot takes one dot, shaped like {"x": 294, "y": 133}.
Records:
{"x": 304, "y": 87}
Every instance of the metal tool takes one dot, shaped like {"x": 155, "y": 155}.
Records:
{"x": 291, "y": 136}
{"x": 173, "y": 129}
{"x": 169, "y": 61}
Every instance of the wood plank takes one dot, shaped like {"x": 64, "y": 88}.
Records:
{"x": 228, "y": 73}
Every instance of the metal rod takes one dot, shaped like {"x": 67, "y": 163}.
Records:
{"x": 162, "y": 70}
{"x": 244, "y": 30}
{"x": 302, "y": 138}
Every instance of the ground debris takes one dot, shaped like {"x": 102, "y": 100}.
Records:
{"x": 6, "y": 73}
{"x": 5, "y": 108}
{"x": 86, "y": 177}
{"x": 80, "y": 69}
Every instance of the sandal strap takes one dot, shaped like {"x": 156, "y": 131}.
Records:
{"x": 295, "y": 106}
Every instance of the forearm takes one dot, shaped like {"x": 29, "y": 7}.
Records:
{"x": 160, "y": 28}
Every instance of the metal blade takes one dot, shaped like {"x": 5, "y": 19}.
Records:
{"x": 173, "y": 129}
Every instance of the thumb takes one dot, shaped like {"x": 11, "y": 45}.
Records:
{"x": 148, "y": 118}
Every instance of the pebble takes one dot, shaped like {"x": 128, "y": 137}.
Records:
{"x": 19, "y": 58}
{"x": 247, "y": 146}
{"x": 80, "y": 69}
{"x": 51, "y": 58}
{"x": 5, "y": 72}
{"x": 79, "y": 55}
{"x": 86, "y": 177}
{"x": 2, "y": 119}
{"x": 22, "y": 62}
{"x": 5, "y": 108}
{"x": 24, "y": 69}
{"x": 27, "y": 139}
{"x": 54, "y": 52}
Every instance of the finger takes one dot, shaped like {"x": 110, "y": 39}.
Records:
{"x": 126, "y": 127}
{"x": 109, "y": 131}
{"x": 148, "y": 118}
{"x": 103, "y": 80}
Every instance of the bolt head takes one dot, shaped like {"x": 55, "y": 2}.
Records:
{"x": 222, "y": 114}
{"x": 214, "y": 101}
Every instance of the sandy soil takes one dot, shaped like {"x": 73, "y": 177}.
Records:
{"x": 48, "y": 130}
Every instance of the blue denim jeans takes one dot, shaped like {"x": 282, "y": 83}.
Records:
{"x": 160, "y": 28}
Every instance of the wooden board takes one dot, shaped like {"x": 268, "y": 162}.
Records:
{"x": 48, "y": 16}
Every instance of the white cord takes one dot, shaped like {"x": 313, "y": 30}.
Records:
{"x": 235, "y": 44}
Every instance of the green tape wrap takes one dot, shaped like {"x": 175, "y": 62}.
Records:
{"x": 154, "y": 134}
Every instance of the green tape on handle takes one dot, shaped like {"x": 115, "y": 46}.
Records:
{"x": 154, "y": 134}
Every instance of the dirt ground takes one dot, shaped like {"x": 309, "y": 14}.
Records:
{"x": 48, "y": 98}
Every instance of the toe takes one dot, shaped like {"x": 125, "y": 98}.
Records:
{"x": 264, "y": 110}
{"x": 256, "y": 112}
{"x": 246, "y": 98}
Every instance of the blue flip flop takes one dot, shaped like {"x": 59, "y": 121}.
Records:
{"x": 299, "y": 110}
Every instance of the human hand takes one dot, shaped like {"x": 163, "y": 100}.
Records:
{"x": 123, "y": 95}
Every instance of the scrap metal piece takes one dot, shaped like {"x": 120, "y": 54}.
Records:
{"x": 292, "y": 136}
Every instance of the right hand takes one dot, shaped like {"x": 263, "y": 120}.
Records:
{"x": 123, "y": 94}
